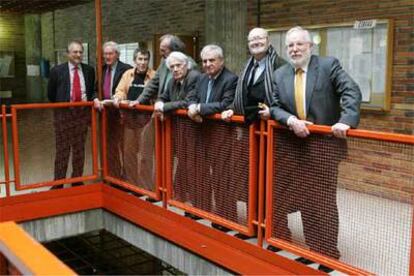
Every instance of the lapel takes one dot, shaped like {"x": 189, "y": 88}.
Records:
{"x": 117, "y": 75}
{"x": 204, "y": 87}
{"x": 67, "y": 78}
{"x": 289, "y": 83}
{"x": 85, "y": 77}
{"x": 311, "y": 79}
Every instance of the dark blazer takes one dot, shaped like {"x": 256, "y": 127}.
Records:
{"x": 176, "y": 98}
{"x": 58, "y": 88}
{"x": 331, "y": 94}
{"x": 258, "y": 88}
{"x": 119, "y": 71}
{"x": 221, "y": 96}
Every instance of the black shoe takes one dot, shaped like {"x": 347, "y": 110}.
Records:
{"x": 325, "y": 269}
{"x": 273, "y": 248}
{"x": 220, "y": 228}
{"x": 76, "y": 184}
{"x": 242, "y": 236}
{"x": 191, "y": 216}
{"x": 304, "y": 261}
{"x": 56, "y": 187}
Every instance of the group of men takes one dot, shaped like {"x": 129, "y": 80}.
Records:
{"x": 306, "y": 89}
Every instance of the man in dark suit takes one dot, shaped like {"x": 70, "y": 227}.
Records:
{"x": 215, "y": 88}
{"x": 254, "y": 87}
{"x": 71, "y": 82}
{"x": 311, "y": 90}
{"x": 112, "y": 72}
{"x": 214, "y": 92}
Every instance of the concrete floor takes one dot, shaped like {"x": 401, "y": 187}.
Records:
{"x": 375, "y": 233}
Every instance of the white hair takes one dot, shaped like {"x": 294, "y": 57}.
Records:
{"x": 299, "y": 29}
{"x": 182, "y": 58}
{"x": 111, "y": 44}
{"x": 211, "y": 48}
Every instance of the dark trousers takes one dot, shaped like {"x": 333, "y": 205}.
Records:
{"x": 71, "y": 127}
{"x": 306, "y": 173}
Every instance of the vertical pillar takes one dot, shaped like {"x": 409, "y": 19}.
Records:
{"x": 33, "y": 42}
{"x": 226, "y": 25}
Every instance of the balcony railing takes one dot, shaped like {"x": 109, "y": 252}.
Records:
{"x": 259, "y": 180}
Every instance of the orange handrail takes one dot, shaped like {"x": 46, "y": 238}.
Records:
{"x": 27, "y": 255}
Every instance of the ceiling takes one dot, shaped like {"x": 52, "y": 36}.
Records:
{"x": 37, "y": 6}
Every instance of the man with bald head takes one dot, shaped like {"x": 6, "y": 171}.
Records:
{"x": 254, "y": 87}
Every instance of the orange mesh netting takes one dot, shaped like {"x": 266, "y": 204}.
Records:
{"x": 54, "y": 143}
{"x": 211, "y": 167}
{"x": 347, "y": 199}
{"x": 131, "y": 147}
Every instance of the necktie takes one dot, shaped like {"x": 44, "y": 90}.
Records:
{"x": 209, "y": 88}
{"x": 299, "y": 94}
{"x": 107, "y": 83}
{"x": 255, "y": 66}
{"x": 76, "y": 87}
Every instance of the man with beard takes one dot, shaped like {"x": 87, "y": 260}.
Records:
{"x": 311, "y": 90}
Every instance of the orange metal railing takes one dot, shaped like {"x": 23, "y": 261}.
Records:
{"x": 259, "y": 171}
{"x": 24, "y": 254}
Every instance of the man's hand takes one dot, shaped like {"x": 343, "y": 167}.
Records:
{"x": 116, "y": 102}
{"x": 339, "y": 130}
{"x": 265, "y": 112}
{"x": 299, "y": 126}
{"x": 97, "y": 104}
{"x": 193, "y": 113}
{"x": 226, "y": 115}
{"x": 132, "y": 104}
{"x": 159, "y": 110}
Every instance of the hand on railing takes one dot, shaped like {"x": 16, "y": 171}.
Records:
{"x": 97, "y": 104}
{"x": 132, "y": 104}
{"x": 226, "y": 115}
{"x": 339, "y": 130}
{"x": 159, "y": 110}
{"x": 264, "y": 112}
{"x": 299, "y": 126}
{"x": 194, "y": 113}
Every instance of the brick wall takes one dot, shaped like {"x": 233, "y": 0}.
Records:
{"x": 375, "y": 168}
{"x": 129, "y": 21}
{"x": 289, "y": 13}
{"x": 12, "y": 39}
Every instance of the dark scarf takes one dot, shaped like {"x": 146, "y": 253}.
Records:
{"x": 238, "y": 103}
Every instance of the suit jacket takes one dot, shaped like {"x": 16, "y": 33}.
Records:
{"x": 119, "y": 71}
{"x": 175, "y": 97}
{"x": 221, "y": 96}
{"x": 156, "y": 86}
{"x": 58, "y": 88}
{"x": 331, "y": 94}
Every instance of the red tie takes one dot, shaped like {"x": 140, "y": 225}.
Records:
{"x": 107, "y": 84}
{"x": 76, "y": 88}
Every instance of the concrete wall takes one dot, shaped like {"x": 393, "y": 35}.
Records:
{"x": 58, "y": 227}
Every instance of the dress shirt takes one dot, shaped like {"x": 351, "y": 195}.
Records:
{"x": 81, "y": 78}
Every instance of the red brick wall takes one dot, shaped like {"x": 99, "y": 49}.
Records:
{"x": 289, "y": 13}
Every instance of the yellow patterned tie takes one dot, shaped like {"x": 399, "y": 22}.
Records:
{"x": 299, "y": 94}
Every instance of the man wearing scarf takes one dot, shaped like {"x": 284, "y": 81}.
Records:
{"x": 254, "y": 87}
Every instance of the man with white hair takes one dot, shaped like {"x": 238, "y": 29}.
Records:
{"x": 183, "y": 82}
{"x": 311, "y": 90}
{"x": 254, "y": 87}
{"x": 215, "y": 87}
{"x": 158, "y": 85}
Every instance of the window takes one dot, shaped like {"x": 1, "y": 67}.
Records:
{"x": 127, "y": 52}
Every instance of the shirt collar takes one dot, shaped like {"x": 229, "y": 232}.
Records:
{"x": 72, "y": 66}
{"x": 217, "y": 75}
